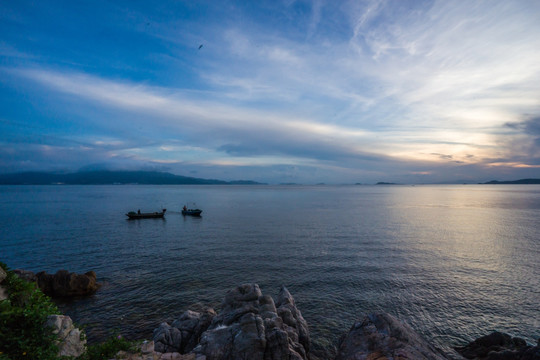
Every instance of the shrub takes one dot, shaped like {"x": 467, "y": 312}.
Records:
{"x": 22, "y": 316}
{"x": 22, "y": 334}
{"x": 109, "y": 348}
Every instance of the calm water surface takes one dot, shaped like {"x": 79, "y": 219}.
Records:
{"x": 455, "y": 262}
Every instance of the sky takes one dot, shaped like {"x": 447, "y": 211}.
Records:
{"x": 276, "y": 91}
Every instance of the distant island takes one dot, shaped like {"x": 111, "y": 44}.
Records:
{"x": 107, "y": 177}
{"x": 516, "y": 182}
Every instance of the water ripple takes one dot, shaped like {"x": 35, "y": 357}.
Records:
{"x": 454, "y": 262}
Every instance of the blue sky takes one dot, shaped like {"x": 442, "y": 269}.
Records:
{"x": 280, "y": 91}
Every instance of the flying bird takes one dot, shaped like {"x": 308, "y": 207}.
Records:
{"x": 200, "y": 46}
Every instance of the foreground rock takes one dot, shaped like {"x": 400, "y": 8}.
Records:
{"x": 25, "y": 275}
{"x": 381, "y": 336}
{"x": 250, "y": 326}
{"x": 184, "y": 333}
{"x": 3, "y": 292}
{"x": 69, "y": 337}
{"x": 63, "y": 283}
{"x": 500, "y": 346}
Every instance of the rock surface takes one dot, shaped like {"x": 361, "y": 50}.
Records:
{"x": 70, "y": 342}
{"x": 381, "y": 336}
{"x": 249, "y": 326}
{"x": 146, "y": 352}
{"x": 3, "y": 292}
{"x": 66, "y": 284}
{"x": 500, "y": 346}
{"x": 25, "y": 275}
{"x": 63, "y": 283}
{"x": 184, "y": 333}
{"x": 252, "y": 326}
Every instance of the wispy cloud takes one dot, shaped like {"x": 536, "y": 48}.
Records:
{"x": 274, "y": 132}
{"x": 415, "y": 88}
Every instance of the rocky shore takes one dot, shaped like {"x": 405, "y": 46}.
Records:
{"x": 254, "y": 326}
{"x": 63, "y": 283}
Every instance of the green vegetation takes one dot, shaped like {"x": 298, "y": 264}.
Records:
{"x": 109, "y": 348}
{"x": 22, "y": 316}
{"x": 23, "y": 335}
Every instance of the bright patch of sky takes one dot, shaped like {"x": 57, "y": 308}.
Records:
{"x": 273, "y": 91}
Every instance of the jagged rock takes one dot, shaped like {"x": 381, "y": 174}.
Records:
{"x": 381, "y": 336}
{"x": 238, "y": 302}
{"x": 3, "y": 292}
{"x": 63, "y": 283}
{"x": 25, "y": 275}
{"x": 243, "y": 339}
{"x": 252, "y": 326}
{"x": 146, "y": 352}
{"x": 238, "y": 331}
{"x": 499, "y": 346}
{"x": 147, "y": 347}
{"x": 66, "y": 284}
{"x": 177, "y": 356}
{"x": 167, "y": 338}
{"x": 3, "y": 275}
{"x": 191, "y": 325}
{"x": 184, "y": 333}
{"x": 292, "y": 317}
{"x": 249, "y": 326}
{"x": 70, "y": 342}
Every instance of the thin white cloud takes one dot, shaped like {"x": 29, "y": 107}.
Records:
{"x": 316, "y": 10}
{"x": 400, "y": 81}
{"x": 176, "y": 109}
{"x": 462, "y": 52}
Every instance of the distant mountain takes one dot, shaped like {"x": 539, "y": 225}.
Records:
{"x": 517, "y": 182}
{"x": 111, "y": 177}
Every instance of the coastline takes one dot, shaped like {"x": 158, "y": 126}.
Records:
{"x": 251, "y": 325}
{"x": 255, "y": 326}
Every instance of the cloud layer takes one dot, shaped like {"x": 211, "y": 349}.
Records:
{"x": 280, "y": 92}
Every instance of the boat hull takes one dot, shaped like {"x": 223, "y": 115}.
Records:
{"x": 138, "y": 215}
{"x": 192, "y": 212}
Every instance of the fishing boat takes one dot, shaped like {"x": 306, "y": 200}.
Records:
{"x": 192, "y": 212}
{"x": 140, "y": 215}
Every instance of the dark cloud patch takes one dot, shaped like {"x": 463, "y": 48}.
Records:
{"x": 112, "y": 166}
{"x": 530, "y": 126}
{"x": 534, "y": 161}
{"x": 68, "y": 155}
{"x": 527, "y": 146}
{"x": 513, "y": 125}
{"x": 240, "y": 149}
{"x": 276, "y": 142}
{"x": 443, "y": 156}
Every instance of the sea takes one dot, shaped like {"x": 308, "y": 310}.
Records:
{"x": 453, "y": 261}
